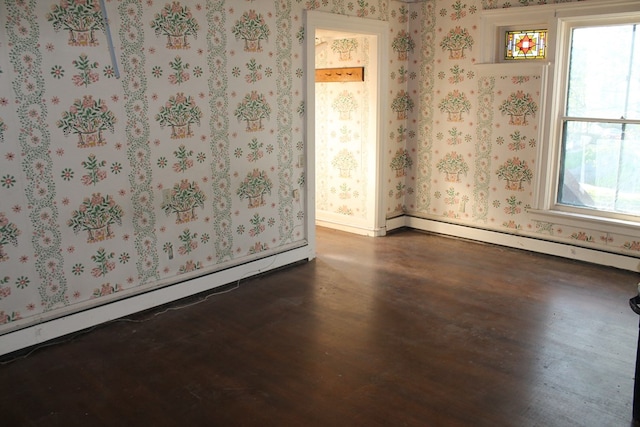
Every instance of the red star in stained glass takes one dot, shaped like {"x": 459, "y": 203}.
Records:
{"x": 526, "y": 44}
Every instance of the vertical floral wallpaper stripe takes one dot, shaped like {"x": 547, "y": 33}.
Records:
{"x": 137, "y": 133}
{"x": 425, "y": 130}
{"x": 484, "y": 135}
{"x": 34, "y": 140}
{"x": 285, "y": 116}
{"x": 218, "y": 85}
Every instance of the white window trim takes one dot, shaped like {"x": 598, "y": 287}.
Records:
{"x": 557, "y": 17}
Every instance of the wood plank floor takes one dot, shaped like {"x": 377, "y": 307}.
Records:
{"x": 407, "y": 330}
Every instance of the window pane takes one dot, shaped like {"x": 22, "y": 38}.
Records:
{"x": 600, "y": 167}
{"x": 604, "y": 73}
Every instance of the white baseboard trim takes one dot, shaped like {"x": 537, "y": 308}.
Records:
{"x": 75, "y": 322}
{"x": 42, "y": 332}
{"x": 396, "y": 222}
{"x": 363, "y": 231}
{"x": 578, "y": 253}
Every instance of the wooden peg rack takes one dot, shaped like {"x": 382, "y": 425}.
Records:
{"x": 347, "y": 74}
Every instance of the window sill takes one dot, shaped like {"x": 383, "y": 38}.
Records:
{"x": 606, "y": 225}
{"x": 515, "y": 67}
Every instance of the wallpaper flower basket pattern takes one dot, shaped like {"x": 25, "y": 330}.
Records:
{"x": 456, "y": 41}
{"x": 344, "y": 104}
{"x": 106, "y": 289}
{"x": 96, "y": 215}
{"x": 184, "y": 161}
{"x": 345, "y": 162}
{"x": 401, "y": 162}
{"x": 87, "y": 118}
{"x": 184, "y": 198}
{"x": 95, "y": 172}
{"x": 81, "y": 18}
{"x": 452, "y": 165}
{"x": 454, "y": 105}
{"x": 402, "y": 104}
{"x": 251, "y": 28}
{"x": 403, "y": 44}
{"x": 515, "y": 171}
{"x": 8, "y": 235}
{"x": 518, "y": 106}
{"x": 179, "y": 74}
{"x": 190, "y": 266}
{"x": 344, "y": 47}
{"x": 176, "y": 22}
{"x": 85, "y": 75}
{"x": 253, "y": 109}
{"x": 179, "y": 113}
{"x": 255, "y": 185}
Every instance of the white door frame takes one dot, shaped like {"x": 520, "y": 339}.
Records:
{"x": 350, "y": 24}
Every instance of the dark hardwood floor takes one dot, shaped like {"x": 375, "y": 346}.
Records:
{"x": 410, "y": 329}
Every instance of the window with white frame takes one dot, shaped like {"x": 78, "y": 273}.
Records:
{"x": 588, "y": 163}
{"x": 591, "y": 164}
{"x": 598, "y": 126}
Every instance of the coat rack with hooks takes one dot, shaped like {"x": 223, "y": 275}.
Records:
{"x": 346, "y": 74}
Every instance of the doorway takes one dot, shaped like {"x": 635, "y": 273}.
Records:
{"x": 344, "y": 151}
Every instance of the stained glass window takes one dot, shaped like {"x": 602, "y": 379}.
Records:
{"x": 526, "y": 44}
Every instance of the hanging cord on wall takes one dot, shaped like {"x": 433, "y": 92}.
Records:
{"x": 212, "y": 293}
{"x": 112, "y": 51}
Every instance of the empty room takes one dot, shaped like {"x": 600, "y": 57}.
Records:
{"x": 336, "y": 212}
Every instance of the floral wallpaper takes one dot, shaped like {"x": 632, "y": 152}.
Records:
{"x": 344, "y": 133}
{"x": 186, "y": 152}
{"x": 467, "y": 140}
{"x": 179, "y": 156}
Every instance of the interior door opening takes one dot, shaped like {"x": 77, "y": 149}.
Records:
{"x": 344, "y": 126}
